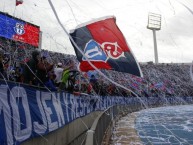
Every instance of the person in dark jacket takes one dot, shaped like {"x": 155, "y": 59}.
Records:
{"x": 43, "y": 68}
{"x": 30, "y": 69}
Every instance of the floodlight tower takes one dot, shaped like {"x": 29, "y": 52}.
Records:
{"x": 154, "y": 24}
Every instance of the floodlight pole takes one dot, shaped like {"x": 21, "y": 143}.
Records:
{"x": 40, "y": 40}
{"x": 154, "y": 24}
{"x": 155, "y": 46}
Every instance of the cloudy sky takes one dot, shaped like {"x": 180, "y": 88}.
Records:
{"x": 174, "y": 40}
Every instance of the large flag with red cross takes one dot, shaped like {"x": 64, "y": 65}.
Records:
{"x": 104, "y": 45}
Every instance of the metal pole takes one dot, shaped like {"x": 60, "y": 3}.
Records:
{"x": 155, "y": 46}
{"x": 40, "y": 40}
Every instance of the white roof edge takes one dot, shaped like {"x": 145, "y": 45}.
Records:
{"x": 92, "y": 21}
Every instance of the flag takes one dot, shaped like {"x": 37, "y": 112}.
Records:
{"x": 160, "y": 86}
{"x": 18, "y": 2}
{"x": 18, "y": 30}
{"x": 104, "y": 45}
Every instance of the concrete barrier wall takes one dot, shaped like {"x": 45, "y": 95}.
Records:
{"x": 73, "y": 133}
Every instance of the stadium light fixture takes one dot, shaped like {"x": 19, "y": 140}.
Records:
{"x": 154, "y": 24}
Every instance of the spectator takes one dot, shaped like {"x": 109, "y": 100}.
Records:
{"x": 30, "y": 69}
{"x": 18, "y": 75}
{"x": 68, "y": 77}
{"x": 93, "y": 79}
{"x": 58, "y": 72}
{"x": 94, "y": 83}
{"x": 43, "y": 68}
{"x": 50, "y": 82}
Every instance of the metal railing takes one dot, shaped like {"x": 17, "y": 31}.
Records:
{"x": 96, "y": 133}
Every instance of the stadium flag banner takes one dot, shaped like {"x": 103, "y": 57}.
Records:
{"x": 18, "y": 30}
{"x": 26, "y": 112}
{"x": 104, "y": 45}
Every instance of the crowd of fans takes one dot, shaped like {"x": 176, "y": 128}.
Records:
{"x": 58, "y": 72}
